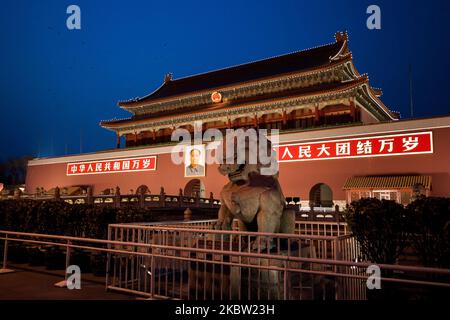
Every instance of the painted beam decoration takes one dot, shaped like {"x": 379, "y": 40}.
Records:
{"x": 112, "y": 166}
{"x": 380, "y": 146}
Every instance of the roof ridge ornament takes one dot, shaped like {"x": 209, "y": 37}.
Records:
{"x": 342, "y": 37}
{"x": 168, "y": 77}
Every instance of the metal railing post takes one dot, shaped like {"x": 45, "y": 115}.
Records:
{"x": 108, "y": 258}
{"x": 5, "y": 253}
{"x": 152, "y": 275}
{"x": 67, "y": 256}
{"x": 337, "y": 256}
{"x": 4, "y": 268}
{"x": 285, "y": 284}
{"x": 63, "y": 284}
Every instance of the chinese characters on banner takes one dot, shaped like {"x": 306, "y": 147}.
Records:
{"x": 112, "y": 166}
{"x": 388, "y": 145}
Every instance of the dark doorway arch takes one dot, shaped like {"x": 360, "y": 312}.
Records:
{"x": 194, "y": 187}
{"x": 321, "y": 195}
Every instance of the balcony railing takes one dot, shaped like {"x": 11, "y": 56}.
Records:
{"x": 161, "y": 200}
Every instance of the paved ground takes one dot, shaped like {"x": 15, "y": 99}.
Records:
{"x": 30, "y": 283}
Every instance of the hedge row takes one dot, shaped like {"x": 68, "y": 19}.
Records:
{"x": 60, "y": 218}
{"x": 385, "y": 229}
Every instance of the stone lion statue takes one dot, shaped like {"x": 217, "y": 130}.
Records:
{"x": 252, "y": 196}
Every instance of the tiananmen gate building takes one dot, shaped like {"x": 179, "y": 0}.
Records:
{"x": 338, "y": 140}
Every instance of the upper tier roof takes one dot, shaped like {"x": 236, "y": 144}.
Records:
{"x": 292, "y": 62}
{"x": 296, "y": 93}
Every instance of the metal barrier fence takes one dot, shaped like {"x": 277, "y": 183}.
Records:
{"x": 349, "y": 250}
{"x": 322, "y": 228}
{"x": 200, "y": 263}
{"x": 194, "y": 262}
{"x": 307, "y": 228}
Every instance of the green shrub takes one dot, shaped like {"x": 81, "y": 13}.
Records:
{"x": 61, "y": 218}
{"x": 430, "y": 230}
{"x": 380, "y": 226}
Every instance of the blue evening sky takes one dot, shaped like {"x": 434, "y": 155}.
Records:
{"x": 57, "y": 84}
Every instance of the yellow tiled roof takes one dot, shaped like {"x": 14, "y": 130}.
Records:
{"x": 387, "y": 182}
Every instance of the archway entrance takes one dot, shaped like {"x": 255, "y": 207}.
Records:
{"x": 194, "y": 187}
{"x": 321, "y": 195}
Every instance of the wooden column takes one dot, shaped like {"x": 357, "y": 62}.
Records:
{"x": 154, "y": 134}
{"x": 255, "y": 121}
{"x": 353, "y": 110}
{"x": 229, "y": 123}
{"x": 316, "y": 115}
{"x": 284, "y": 116}
{"x": 171, "y": 130}
{"x": 118, "y": 141}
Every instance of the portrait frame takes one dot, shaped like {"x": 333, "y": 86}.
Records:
{"x": 201, "y": 161}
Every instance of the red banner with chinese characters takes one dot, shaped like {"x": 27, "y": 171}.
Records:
{"x": 388, "y": 145}
{"x": 112, "y": 166}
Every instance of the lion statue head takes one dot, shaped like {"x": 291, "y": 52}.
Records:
{"x": 247, "y": 153}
